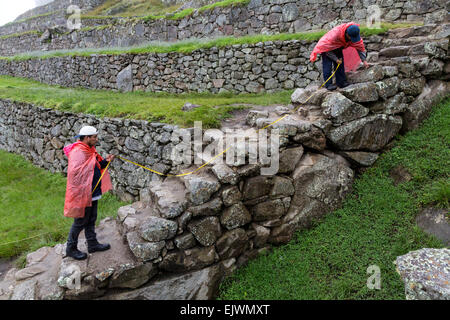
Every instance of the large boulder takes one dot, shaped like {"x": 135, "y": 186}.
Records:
{"x": 314, "y": 139}
{"x": 426, "y": 274}
{"x": 188, "y": 260}
{"x": 289, "y": 158}
{"x": 370, "y": 133}
{"x": 321, "y": 183}
{"x": 197, "y": 285}
{"x": 125, "y": 79}
{"x": 209, "y": 208}
{"x": 393, "y": 105}
{"x": 412, "y": 87}
{"x": 232, "y": 244}
{"x": 374, "y": 73}
{"x": 420, "y": 108}
{"x": 340, "y": 109}
{"x": 311, "y": 95}
{"x": 157, "y": 229}
{"x": 206, "y": 230}
{"x": 142, "y": 249}
{"x": 268, "y": 210}
{"x": 387, "y": 88}
{"x": 361, "y": 92}
{"x": 323, "y": 178}
{"x": 256, "y": 187}
{"x": 361, "y": 158}
{"x": 168, "y": 197}
{"x": 235, "y": 216}
{"x": 200, "y": 187}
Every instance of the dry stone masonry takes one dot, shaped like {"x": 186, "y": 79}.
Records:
{"x": 183, "y": 234}
{"x": 264, "y": 66}
{"x": 186, "y": 233}
{"x": 256, "y": 17}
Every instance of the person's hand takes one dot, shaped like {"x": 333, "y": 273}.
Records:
{"x": 110, "y": 157}
{"x": 339, "y": 61}
{"x": 366, "y": 65}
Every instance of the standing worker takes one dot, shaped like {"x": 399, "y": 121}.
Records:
{"x": 330, "y": 47}
{"x": 84, "y": 189}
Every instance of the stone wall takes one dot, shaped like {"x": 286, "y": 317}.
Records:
{"x": 146, "y": 143}
{"x": 265, "y": 66}
{"x": 258, "y": 17}
{"x": 241, "y": 68}
{"x": 39, "y": 23}
{"x": 189, "y": 231}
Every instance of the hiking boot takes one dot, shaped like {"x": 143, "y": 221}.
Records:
{"x": 345, "y": 84}
{"x": 95, "y": 246}
{"x": 73, "y": 252}
{"x": 331, "y": 87}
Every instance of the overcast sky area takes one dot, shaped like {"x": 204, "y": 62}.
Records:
{"x": 10, "y": 9}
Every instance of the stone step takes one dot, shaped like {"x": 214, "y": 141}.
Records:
{"x": 406, "y": 41}
{"x": 199, "y": 186}
{"x": 416, "y": 31}
{"x": 395, "y": 51}
{"x": 168, "y": 197}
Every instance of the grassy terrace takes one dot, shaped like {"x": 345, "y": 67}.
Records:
{"x": 152, "y": 10}
{"x": 137, "y": 105}
{"x": 187, "y": 46}
{"x": 375, "y": 225}
{"x": 30, "y": 18}
{"x": 20, "y": 34}
{"x": 189, "y": 11}
{"x": 130, "y": 8}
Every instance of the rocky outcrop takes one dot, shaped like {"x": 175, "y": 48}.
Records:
{"x": 426, "y": 274}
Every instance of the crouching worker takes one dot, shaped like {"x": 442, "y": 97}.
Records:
{"x": 84, "y": 171}
{"x": 330, "y": 47}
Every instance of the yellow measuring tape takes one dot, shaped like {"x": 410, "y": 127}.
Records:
{"x": 188, "y": 173}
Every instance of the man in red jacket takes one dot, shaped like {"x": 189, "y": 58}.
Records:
{"x": 84, "y": 189}
{"x": 330, "y": 47}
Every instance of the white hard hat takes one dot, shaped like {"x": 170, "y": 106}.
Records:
{"x": 87, "y": 131}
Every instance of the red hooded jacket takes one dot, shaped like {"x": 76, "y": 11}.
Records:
{"x": 334, "y": 39}
{"x": 80, "y": 173}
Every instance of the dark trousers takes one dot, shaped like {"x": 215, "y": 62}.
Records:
{"x": 87, "y": 223}
{"x": 329, "y": 66}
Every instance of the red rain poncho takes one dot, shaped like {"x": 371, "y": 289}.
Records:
{"x": 80, "y": 173}
{"x": 334, "y": 39}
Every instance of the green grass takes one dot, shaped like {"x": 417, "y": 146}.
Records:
{"x": 134, "y": 8}
{"x": 161, "y": 107}
{"x": 225, "y": 3}
{"x": 190, "y": 45}
{"x": 33, "y": 205}
{"x": 30, "y": 18}
{"x": 375, "y": 225}
{"x": 20, "y": 34}
{"x": 189, "y": 11}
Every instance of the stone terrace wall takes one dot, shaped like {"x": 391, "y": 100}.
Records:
{"x": 187, "y": 232}
{"x": 258, "y": 17}
{"x": 266, "y": 66}
{"x": 39, "y": 134}
{"x": 241, "y": 68}
{"x": 39, "y": 23}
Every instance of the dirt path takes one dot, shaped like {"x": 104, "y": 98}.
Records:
{"x": 238, "y": 119}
